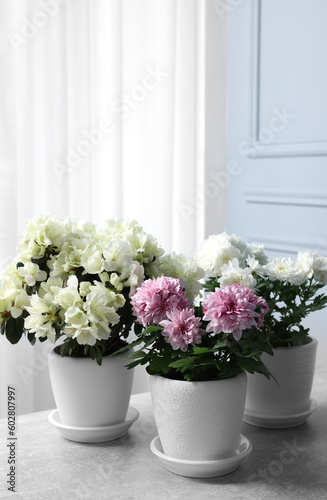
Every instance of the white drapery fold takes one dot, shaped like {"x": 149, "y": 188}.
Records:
{"x": 103, "y": 116}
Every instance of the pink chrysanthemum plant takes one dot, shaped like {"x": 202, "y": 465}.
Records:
{"x": 215, "y": 339}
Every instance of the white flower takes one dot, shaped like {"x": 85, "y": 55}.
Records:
{"x": 32, "y": 273}
{"x": 238, "y": 242}
{"x": 143, "y": 247}
{"x": 279, "y": 268}
{"x": 49, "y": 289}
{"x": 296, "y": 271}
{"x": 21, "y": 301}
{"x": 115, "y": 281}
{"x": 68, "y": 296}
{"x": 88, "y": 334}
{"x": 13, "y": 299}
{"x": 7, "y": 290}
{"x": 257, "y": 252}
{"x": 125, "y": 272}
{"x": 135, "y": 278}
{"x": 121, "y": 229}
{"x": 41, "y": 318}
{"x": 103, "y": 330}
{"x": 186, "y": 269}
{"x": 85, "y": 228}
{"x": 84, "y": 335}
{"x": 91, "y": 260}
{"x": 113, "y": 299}
{"x": 282, "y": 268}
{"x": 319, "y": 267}
{"x": 254, "y": 264}
{"x": 69, "y": 258}
{"x": 233, "y": 273}
{"x": 38, "y": 305}
{"x": 219, "y": 249}
{"x": 84, "y": 287}
{"x": 99, "y": 305}
{"x": 11, "y": 272}
{"x": 41, "y": 326}
{"x": 75, "y": 317}
{"x": 117, "y": 255}
{"x": 42, "y": 232}
{"x": 216, "y": 251}
{"x": 302, "y": 268}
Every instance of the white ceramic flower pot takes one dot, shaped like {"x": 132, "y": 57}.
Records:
{"x": 199, "y": 420}
{"x": 271, "y": 405}
{"x": 89, "y": 395}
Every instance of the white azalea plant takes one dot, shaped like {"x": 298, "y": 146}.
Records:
{"x": 74, "y": 280}
{"x": 290, "y": 286}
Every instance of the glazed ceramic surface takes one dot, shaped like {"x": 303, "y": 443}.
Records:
{"x": 293, "y": 367}
{"x": 199, "y": 420}
{"x": 89, "y": 395}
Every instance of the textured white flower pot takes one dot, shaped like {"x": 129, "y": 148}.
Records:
{"x": 88, "y": 395}
{"x": 293, "y": 367}
{"x": 199, "y": 420}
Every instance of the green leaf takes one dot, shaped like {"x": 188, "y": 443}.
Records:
{"x": 200, "y": 350}
{"x": 137, "y": 355}
{"x": 151, "y": 329}
{"x": 31, "y": 337}
{"x": 184, "y": 364}
{"x": 127, "y": 347}
{"x": 211, "y": 284}
{"x": 159, "y": 365}
{"x": 132, "y": 365}
{"x": 14, "y": 330}
{"x": 99, "y": 357}
{"x": 221, "y": 343}
{"x": 138, "y": 328}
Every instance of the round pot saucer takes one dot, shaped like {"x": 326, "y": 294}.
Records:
{"x": 210, "y": 468}
{"x": 280, "y": 421}
{"x": 94, "y": 434}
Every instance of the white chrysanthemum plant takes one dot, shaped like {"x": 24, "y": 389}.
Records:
{"x": 74, "y": 281}
{"x": 290, "y": 286}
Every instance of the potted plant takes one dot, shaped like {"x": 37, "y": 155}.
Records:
{"x": 197, "y": 356}
{"x": 72, "y": 282}
{"x": 291, "y": 287}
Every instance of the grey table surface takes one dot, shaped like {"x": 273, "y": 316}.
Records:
{"x": 287, "y": 463}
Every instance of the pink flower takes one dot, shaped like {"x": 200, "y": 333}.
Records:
{"x": 182, "y": 329}
{"x": 155, "y": 298}
{"x": 231, "y": 309}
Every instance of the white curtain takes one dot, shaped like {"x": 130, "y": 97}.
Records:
{"x": 103, "y": 114}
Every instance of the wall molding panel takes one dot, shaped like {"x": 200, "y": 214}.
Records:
{"x": 284, "y": 197}
{"x": 265, "y": 140}
{"x": 288, "y": 246}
